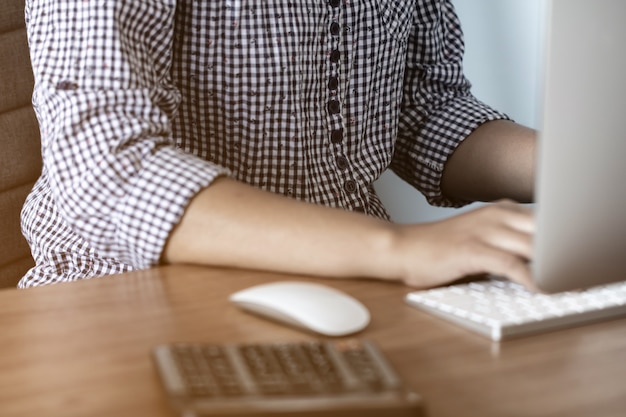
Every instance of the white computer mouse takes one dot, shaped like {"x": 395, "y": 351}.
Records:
{"x": 314, "y": 307}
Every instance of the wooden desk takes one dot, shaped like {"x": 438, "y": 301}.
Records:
{"x": 82, "y": 349}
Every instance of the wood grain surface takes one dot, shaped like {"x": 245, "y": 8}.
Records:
{"x": 83, "y": 349}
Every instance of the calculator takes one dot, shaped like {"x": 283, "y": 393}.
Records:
{"x": 339, "y": 378}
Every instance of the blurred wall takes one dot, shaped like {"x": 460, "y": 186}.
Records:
{"x": 502, "y": 60}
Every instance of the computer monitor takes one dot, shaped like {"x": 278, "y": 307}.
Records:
{"x": 581, "y": 178}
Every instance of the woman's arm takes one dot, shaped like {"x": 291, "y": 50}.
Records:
{"x": 233, "y": 224}
{"x": 496, "y": 161}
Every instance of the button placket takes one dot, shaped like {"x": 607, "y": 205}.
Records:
{"x": 333, "y": 106}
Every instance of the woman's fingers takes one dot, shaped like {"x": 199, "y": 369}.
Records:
{"x": 504, "y": 263}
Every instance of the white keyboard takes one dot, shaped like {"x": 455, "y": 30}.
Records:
{"x": 502, "y": 309}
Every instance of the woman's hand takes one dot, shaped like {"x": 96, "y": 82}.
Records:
{"x": 494, "y": 239}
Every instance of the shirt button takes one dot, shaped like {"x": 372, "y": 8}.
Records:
{"x": 349, "y": 186}
{"x": 336, "y": 136}
{"x": 335, "y": 3}
{"x": 333, "y": 83}
{"x": 335, "y": 55}
{"x": 342, "y": 163}
{"x": 334, "y": 28}
{"x": 333, "y": 107}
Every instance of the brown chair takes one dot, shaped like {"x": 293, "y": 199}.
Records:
{"x": 20, "y": 154}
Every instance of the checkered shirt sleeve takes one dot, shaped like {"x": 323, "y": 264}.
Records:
{"x": 104, "y": 100}
{"x": 438, "y": 109}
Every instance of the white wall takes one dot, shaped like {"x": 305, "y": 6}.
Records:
{"x": 503, "y": 41}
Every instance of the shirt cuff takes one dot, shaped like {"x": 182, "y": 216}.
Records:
{"x": 423, "y": 151}
{"x": 158, "y": 200}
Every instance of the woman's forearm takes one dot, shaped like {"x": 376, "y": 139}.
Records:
{"x": 234, "y": 224}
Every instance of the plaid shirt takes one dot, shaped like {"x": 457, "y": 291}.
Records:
{"x": 141, "y": 104}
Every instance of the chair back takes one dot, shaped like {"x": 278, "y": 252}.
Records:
{"x": 20, "y": 153}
